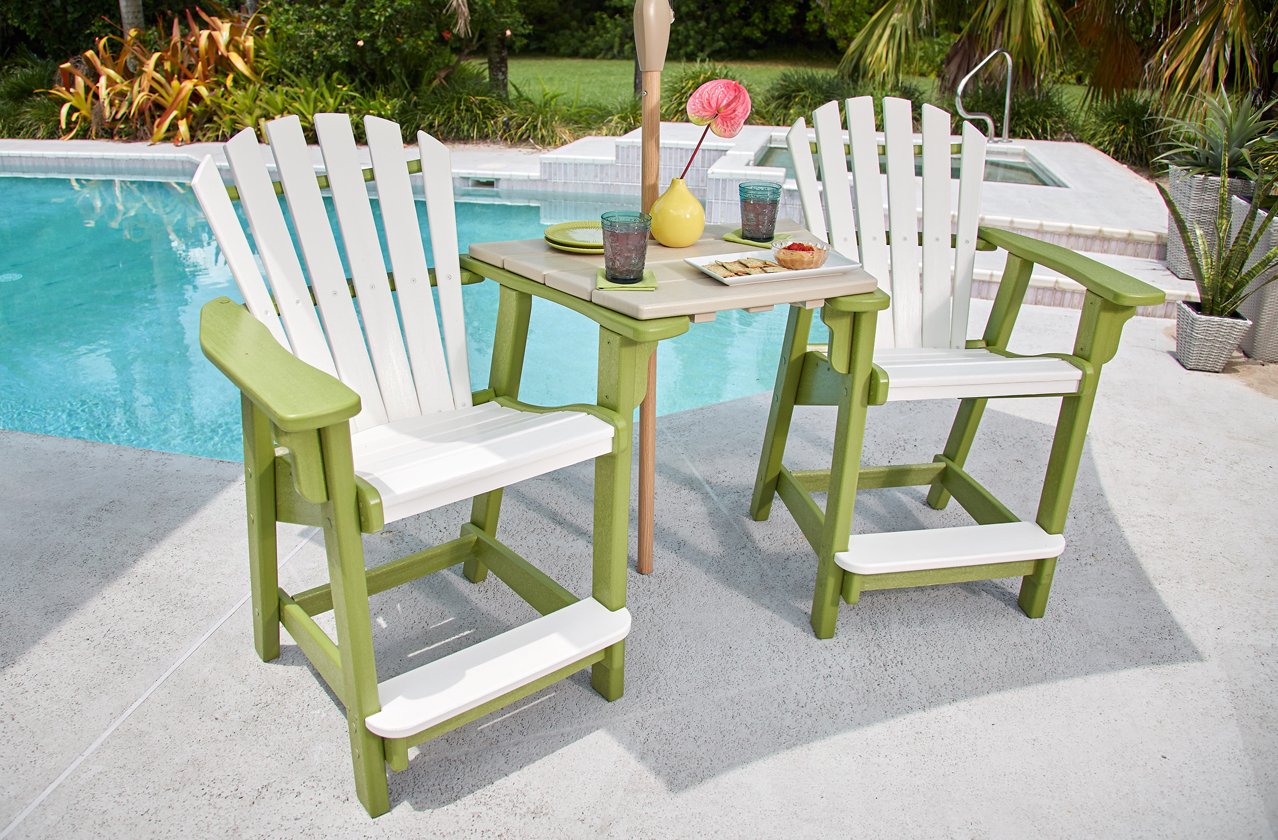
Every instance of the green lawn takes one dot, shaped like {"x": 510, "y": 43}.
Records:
{"x": 606, "y": 82}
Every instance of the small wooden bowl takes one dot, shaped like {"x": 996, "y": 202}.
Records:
{"x": 799, "y": 260}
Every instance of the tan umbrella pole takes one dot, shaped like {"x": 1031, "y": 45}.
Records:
{"x": 650, "y": 160}
{"x": 652, "y": 36}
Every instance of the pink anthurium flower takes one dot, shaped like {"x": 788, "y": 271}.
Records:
{"x": 722, "y": 106}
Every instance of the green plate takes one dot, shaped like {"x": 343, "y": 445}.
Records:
{"x": 576, "y": 234}
{"x": 574, "y": 250}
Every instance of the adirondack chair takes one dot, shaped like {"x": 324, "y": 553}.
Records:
{"x": 921, "y": 351}
{"x": 356, "y": 418}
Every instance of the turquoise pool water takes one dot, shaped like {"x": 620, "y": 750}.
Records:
{"x": 101, "y": 284}
{"x": 998, "y": 170}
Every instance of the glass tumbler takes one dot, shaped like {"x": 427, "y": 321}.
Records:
{"x": 625, "y": 240}
{"x": 759, "y": 200}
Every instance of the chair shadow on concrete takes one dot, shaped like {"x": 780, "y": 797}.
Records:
{"x": 722, "y": 667}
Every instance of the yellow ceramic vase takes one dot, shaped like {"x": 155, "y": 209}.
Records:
{"x": 678, "y": 219}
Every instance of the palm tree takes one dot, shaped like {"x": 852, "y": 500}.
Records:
{"x": 1031, "y": 30}
{"x": 1218, "y": 42}
{"x": 1183, "y": 49}
{"x": 131, "y": 16}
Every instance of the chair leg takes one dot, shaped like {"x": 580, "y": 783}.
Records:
{"x": 825, "y": 600}
{"x": 1058, "y": 490}
{"x": 845, "y": 471}
{"x": 623, "y": 374}
{"x": 784, "y": 393}
{"x": 484, "y": 511}
{"x": 611, "y": 546}
{"x": 343, "y": 545}
{"x": 259, "y": 496}
{"x": 1036, "y": 587}
{"x": 959, "y": 444}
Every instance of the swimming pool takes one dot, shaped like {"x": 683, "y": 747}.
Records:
{"x": 101, "y": 284}
{"x": 1003, "y": 165}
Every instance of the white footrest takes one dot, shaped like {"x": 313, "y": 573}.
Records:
{"x": 437, "y": 691}
{"x": 948, "y": 548}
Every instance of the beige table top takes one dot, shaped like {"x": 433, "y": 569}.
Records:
{"x": 681, "y": 289}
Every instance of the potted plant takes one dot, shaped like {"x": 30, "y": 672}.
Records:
{"x": 1228, "y": 267}
{"x": 1197, "y": 150}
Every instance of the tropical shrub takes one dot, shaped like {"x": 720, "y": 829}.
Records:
{"x": 544, "y": 121}
{"x": 25, "y": 110}
{"x": 796, "y": 93}
{"x": 56, "y": 29}
{"x": 462, "y": 108}
{"x": 1125, "y": 128}
{"x": 126, "y": 88}
{"x": 1037, "y": 113}
{"x": 678, "y": 89}
{"x": 622, "y": 118}
{"x": 253, "y": 104}
{"x": 729, "y": 29}
{"x": 377, "y": 42}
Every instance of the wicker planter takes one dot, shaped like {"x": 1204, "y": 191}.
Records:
{"x": 1261, "y": 341}
{"x": 1198, "y": 198}
{"x": 1205, "y": 342}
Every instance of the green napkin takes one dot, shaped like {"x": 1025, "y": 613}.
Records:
{"x": 735, "y": 236}
{"x": 647, "y": 284}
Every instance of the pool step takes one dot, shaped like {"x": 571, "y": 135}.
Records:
{"x": 1047, "y": 288}
{"x": 948, "y": 548}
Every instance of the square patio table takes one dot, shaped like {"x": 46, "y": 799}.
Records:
{"x": 631, "y": 324}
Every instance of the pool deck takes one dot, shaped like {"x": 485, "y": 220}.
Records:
{"x": 1143, "y": 705}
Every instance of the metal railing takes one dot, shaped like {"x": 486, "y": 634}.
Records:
{"x": 1007, "y": 97}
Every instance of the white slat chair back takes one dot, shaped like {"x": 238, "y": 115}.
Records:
{"x": 397, "y": 360}
{"x": 930, "y": 283}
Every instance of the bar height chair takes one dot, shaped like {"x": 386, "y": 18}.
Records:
{"x": 921, "y": 351}
{"x": 358, "y": 411}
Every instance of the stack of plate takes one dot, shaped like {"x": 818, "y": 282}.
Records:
{"x": 576, "y": 237}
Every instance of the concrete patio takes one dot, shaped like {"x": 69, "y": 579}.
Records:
{"x": 1143, "y": 705}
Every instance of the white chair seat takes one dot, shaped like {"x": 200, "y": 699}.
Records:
{"x": 927, "y": 374}
{"x": 421, "y": 463}
{"x": 440, "y": 690}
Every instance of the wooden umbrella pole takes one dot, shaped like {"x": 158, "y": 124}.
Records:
{"x": 650, "y": 165}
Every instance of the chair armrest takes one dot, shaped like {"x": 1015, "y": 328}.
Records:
{"x": 607, "y": 415}
{"x": 294, "y": 396}
{"x": 1099, "y": 279}
{"x": 654, "y": 329}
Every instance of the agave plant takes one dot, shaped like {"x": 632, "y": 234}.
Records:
{"x": 1225, "y": 267}
{"x": 1231, "y": 132}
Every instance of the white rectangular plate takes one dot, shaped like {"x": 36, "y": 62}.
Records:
{"x": 835, "y": 263}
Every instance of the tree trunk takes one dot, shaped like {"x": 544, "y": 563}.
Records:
{"x": 498, "y": 69}
{"x": 131, "y": 15}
